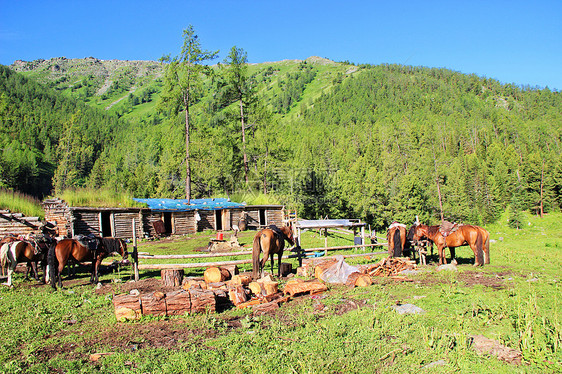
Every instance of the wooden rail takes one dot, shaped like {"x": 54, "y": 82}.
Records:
{"x": 242, "y": 253}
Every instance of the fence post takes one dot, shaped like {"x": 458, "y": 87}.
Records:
{"x": 135, "y": 252}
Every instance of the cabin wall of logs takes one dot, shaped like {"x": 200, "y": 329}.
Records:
{"x": 118, "y": 222}
{"x": 18, "y": 224}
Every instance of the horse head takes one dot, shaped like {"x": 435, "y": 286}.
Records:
{"x": 288, "y": 231}
{"x": 419, "y": 231}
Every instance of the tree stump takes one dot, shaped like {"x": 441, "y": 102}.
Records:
{"x": 178, "y": 302}
{"x": 286, "y": 268}
{"x": 127, "y": 307}
{"x": 313, "y": 286}
{"x": 202, "y": 301}
{"x": 270, "y": 287}
{"x": 153, "y": 303}
{"x": 172, "y": 277}
{"x": 216, "y": 274}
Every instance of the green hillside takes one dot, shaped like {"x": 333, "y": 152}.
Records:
{"x": 329, "y": 139}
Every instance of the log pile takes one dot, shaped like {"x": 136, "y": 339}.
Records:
{"x": 388, "y": 267}
{"x": 131, "y": 307}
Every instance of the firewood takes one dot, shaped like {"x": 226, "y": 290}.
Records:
{"x": 127, "y": 307}
{"x": 241, "y": 279}
{"x": 321, "y": 267}
{"x": 270, "y": 287}
{"x": 363, "y": 281}
{"x": 267, "y": 308}
{"x": 256, "y": 288}
{"x": 178, "y": 302}
{"x": 352, "y": 278}
{"x": 194, "y": 283}
{"x": 306, "y": 270}
{"x": 313, "y": 286}
{"x": 154, "y": 303}
{"x": 232, "y": 269}
{"x": 216, "y": 274}
{"x": 237, "y": 295}
{"x": 172, "y": 277}
{"x": 253, "y": 301}
{"x": 217, "y": 285}
{"x": 202, "y": 300}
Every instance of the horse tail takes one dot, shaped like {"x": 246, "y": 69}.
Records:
{"x": 52, "y": 265}
{"x": 487, "y": 248}
{"x": 256, "y": 249}
{"x": 4, "y": 254}
{"x": 397, "y": 244}
{"x": 479, "y": 250}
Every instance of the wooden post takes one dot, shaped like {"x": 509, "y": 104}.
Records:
{"x": 135, "y": 252}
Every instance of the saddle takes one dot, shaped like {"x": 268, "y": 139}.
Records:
{"x": 277, "y": 231}
{"x": 447, "y": 228}
{"x": 89, "y": 241}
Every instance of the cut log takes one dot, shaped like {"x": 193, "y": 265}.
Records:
{"x": 363, "y": 281}
{"x": 241, "y": 279}
{"x": 127, "y": 307}
{"x": 216, "y": 274}
{"x": 178, "y": 302}
{"x": 321, "y": 267}
{"x": 266, "y": 308}
{"x": 218, "y": 285}
{"x": 172, "y": 277}
{"x": 313, "y": 286}
{"x": 352, "y": 278}
{"x": 270, "y": 288}
{"x": 306, "y": 271}
{"x": 193, "y": 283}
{"x": 256, "y": 288}
{"x": 237, "y": 295}
{"x": 202, "y": 301}
{"x": 252, "y": 302}
{"x": 232, "y": 269}
{"x": 153, "y": 303}
{"x": 286, "y": 269}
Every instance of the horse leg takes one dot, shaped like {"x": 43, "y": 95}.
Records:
{"x": 279, "y": 255}
{"x": 272, "y": 262}
{"x": 453, "y": 256}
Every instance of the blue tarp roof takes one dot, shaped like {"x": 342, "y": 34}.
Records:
{"x": 174, "y": 205}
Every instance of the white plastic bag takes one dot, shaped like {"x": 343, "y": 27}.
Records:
{"x": 339, "y": 272}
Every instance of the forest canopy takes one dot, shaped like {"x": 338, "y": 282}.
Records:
{"x": 325, "y": 138}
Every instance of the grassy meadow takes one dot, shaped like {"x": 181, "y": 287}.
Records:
{"x": 515, "y": 300}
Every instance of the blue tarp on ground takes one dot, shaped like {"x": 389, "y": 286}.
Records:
{"x": 176, "y": 205}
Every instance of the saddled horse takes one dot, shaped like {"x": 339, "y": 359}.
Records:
{"x": 474, "y": 236}
{"x": 13, "y": 252}
{"x": 396, "y": 237}
{"x": 270, "y": 241}
{"x": 72, "y": 249}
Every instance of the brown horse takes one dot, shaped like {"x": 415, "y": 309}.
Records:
{"x": 270, "y": 241}
{"x": 13, "y": 252}
{"x": 396, "y": 237}
{"x": 72, "y": 249}
{"x": 474, "y": 236}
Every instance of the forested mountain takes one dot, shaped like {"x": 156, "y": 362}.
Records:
{"x": 330, "y": 139}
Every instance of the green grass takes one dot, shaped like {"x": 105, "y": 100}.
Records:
{"x": 20, "y": 203}
{"x": 514, "y": 300}
{"x": 100, "y": 198}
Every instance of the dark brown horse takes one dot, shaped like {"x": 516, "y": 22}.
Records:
{"x": 396, "y": 237}
{"x": 16, "y": 251}
{"x": 72, "y": 249}
{"x": 474, "y": 236}
{"x": 270, "y": 241}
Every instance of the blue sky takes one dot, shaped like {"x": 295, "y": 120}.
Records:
{"x": 512, "y": 41}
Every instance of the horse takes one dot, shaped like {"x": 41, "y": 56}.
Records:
{"x": 270, "y": 241}
{"x": 14, "y": 251}
{"x": 396, "y": 237}
{"x": 72, "y": 249}
{"x": 474, "y": 236}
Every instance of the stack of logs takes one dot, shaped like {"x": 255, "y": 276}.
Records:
{"x": 389, "y": 267}
{"x": 223, "y": 287}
